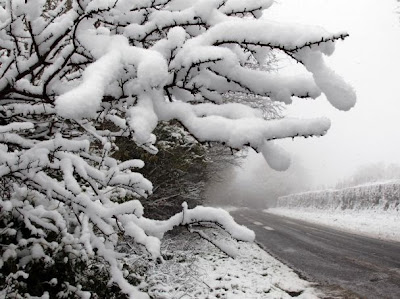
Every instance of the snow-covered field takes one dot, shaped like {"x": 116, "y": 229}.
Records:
{"x": 194, "y": 268}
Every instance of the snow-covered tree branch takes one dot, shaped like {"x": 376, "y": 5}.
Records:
{"x": 76, "y": 75}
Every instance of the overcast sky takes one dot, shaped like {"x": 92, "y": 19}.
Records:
{"x": 370, "y": 60}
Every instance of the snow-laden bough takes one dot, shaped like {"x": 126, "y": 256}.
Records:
{"x": 77, "y": 75}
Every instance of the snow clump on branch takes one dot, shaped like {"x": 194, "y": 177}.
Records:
{"x": 76, "y": 75}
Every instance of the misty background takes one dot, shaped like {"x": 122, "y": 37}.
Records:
{"x": 363, "y": 144}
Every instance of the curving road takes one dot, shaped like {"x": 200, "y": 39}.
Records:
{"x": 344, "y": 265}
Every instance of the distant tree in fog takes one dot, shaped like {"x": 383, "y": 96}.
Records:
{"x": 369, "y": 173}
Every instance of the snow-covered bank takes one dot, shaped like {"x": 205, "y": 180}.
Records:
{"x": 372, "y": 209}
{"x": 194, "y": 268}
{"x": 371, "y": 223}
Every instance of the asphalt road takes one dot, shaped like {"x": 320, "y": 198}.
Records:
{"x": 344, "y": 265}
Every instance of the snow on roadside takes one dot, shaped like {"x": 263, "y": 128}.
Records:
{"x": 194, "y": 268}
{"x": 378, "y": 224}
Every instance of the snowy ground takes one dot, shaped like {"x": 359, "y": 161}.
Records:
{"x": 383, "y": 225}
{"x": 194, "y": 268}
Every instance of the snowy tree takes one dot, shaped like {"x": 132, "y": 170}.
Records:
{"x": 75, "y": 75}
{"x": 178, "y": 172}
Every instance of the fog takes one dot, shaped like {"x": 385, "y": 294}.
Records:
{"x": 254, "y": 184}
{"x": 370, "y": 60}
{"x": 369, "y": 134}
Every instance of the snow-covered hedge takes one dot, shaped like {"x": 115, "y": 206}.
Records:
{"x": 377, "y": 196}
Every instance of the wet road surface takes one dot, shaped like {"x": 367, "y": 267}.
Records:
{"x": 343, "y": 264}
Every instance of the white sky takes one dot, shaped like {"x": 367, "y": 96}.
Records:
{"x": 370, "y": 60}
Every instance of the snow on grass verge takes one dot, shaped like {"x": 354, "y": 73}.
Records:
{"x": 194, "y": 268}
{"x": 378, "y": 224}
